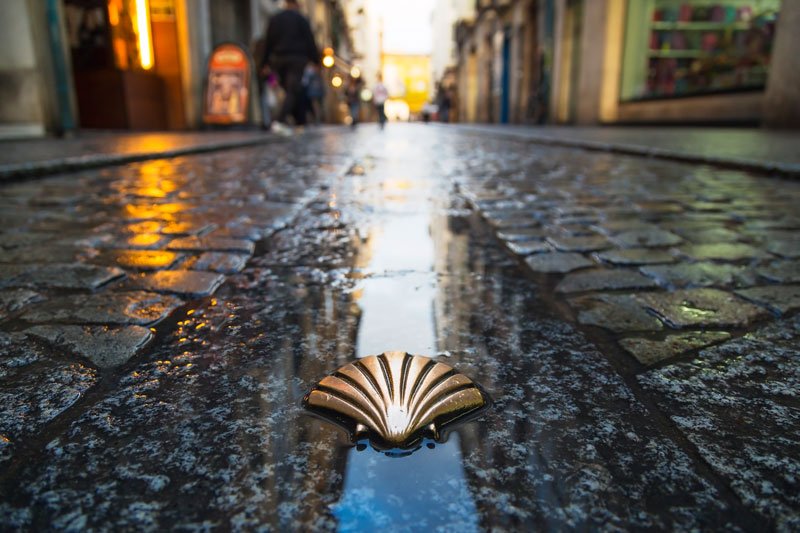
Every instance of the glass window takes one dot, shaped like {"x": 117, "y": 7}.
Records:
{"x": 679, "y": 47}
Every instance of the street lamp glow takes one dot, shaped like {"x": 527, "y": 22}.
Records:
{"x": 327, "y": 61}
{"x": 337, "y": 81}
{"x": 143, "y": 29}
{"x": 355, "y": 72}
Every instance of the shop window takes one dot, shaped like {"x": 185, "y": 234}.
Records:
{"x": 678, "y": 48}
{"x": 130, "y": 34}
{"x": 109, "y": 33}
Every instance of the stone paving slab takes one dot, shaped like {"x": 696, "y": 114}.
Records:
{"x": 58, "y": 276}
{"x": 13, "y": 300}
{"x": 105, "y": 347}
{"x": 645, "y": 238}
{"x": 139, "y": 259}
{"x": 224, "y": 263}
{"x": 737, "y": 402}
{"x": 557, "y": 262}
{"x": 649, "y": 352}
{"x": 779, "y": 299}
{"x": 127, "y": 308}
{"x": 620, "y": 313}
{"x": 180, "y": 282}
{"x": 49, "y": 254}
{"x": 216, "y": 244}
{"x": 703, "y": 274}
{"x": 722, "y": 251}
{"x": 781, "y": 272}
{"x": 604, "y": 280}
{"x": 702, "y": 308}
{"x": 635, "y": 256}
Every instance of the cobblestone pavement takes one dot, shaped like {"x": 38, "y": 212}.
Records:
{"x": 635, "y": 322}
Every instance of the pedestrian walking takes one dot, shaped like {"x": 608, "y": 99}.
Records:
{"x": 379, "y": 96}
{"x": 289, "y": 48}
{"x": 444, "y": 105}
{"x": 315, "y": 92}
{"x": 353, "y": 96}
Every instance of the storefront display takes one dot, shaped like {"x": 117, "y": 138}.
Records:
{"x": 678, "y": 48}
{"x": 119, "y": 84}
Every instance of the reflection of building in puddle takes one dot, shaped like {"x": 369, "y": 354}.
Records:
{"x": 397, "y": 304}
{"x": 423, "y": 491}
{"x": 427, "y": 489}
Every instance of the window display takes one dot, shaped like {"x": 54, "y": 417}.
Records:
{"x": 675, "y": 48}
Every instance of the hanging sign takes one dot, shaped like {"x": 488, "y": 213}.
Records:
{"x": 227, "y": 85}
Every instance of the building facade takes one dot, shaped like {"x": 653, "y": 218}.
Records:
{"x": 630, "y": 61}
{"x": 129, "y": 64}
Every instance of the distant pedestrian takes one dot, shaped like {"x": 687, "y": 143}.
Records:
{"x": 315, "y": 91}
{"x": 445, "y": 102}
{"x": 352, "y": 94}
{"x": 289, "y": 48}
{"x": 379, "y": 96}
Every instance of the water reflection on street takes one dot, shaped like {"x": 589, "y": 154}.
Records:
{"x": 425, "y": 489}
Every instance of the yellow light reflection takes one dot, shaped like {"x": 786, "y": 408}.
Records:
{"x": 336, "y": 81}
{"x": 328, "y": 61}
{"x": 144, "y": 239}
{"x": 143, "y": 29}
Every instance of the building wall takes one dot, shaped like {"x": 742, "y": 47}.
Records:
{"x": 583, "y": 58}
{"x": 782, "y": 99}
{"x": 23, "y": 110}
{"x": 445, "y": 15}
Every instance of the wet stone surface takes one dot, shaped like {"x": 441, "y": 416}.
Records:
{"x": 737, "y": 403}
{"x": 169, "y": 397}
{"x": 635, "y": 256}
{"x": 616, "y": 312}
{"x": 596, "y": 280}
{"x": 779, "y": 299}
{"x": 183, "y": 282}
{"x": 58, "y": 276}
{"x": 702, "y": 308}
{"x": 104, "y": 346}
{"x": 557, "y": 262}
{"x": 649, "y": 352}
{"x": 699, "y": 275}
{"x": 134, "y": 307}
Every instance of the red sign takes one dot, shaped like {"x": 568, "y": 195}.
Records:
{"x": 227, "y": 86}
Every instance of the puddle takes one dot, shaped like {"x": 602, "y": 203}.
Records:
{"x": 426, "y": 490}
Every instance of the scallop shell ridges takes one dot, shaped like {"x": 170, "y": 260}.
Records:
{"x": 395, "y": 398}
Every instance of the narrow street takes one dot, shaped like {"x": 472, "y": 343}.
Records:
{"x": 634, "y": 321}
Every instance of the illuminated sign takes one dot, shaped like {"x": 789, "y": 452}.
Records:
{"x": 227, "y": 86}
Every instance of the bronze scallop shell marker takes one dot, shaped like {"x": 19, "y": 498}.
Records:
{"x": 395, "y": 398}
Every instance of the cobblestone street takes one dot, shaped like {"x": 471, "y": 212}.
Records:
{"x": 634, "y": 320}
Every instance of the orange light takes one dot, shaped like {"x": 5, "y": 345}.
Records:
{"x": 143, "y": 29}
{"x": 113, "y": 13}
{"x": 328, "y": 51}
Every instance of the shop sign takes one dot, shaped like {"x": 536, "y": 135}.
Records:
{"x": 227, "y": 85}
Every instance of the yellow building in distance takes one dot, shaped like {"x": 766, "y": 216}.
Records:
{"x": 408, "y": 79}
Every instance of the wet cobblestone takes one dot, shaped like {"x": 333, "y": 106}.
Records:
{"x": 621, "y": 312}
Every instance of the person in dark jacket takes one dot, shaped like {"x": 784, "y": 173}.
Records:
{"x": 288, "y": 49}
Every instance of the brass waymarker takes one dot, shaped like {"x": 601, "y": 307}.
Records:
{"x": 395, "y": 398}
